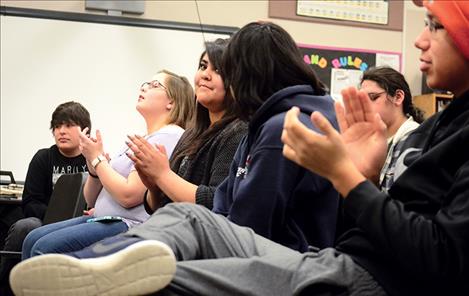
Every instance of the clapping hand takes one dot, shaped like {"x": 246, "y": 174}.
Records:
{"x": 91, "y": 147}
{"x": 151, "y": 161}
{"x": 345, "y": 158}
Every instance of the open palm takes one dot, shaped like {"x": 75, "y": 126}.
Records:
{"x": 363, "y": 133}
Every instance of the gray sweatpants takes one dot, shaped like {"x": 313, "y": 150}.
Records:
{"x": 217, "y": 257}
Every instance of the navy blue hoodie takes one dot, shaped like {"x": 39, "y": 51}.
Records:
{"x": 275, "y": 197}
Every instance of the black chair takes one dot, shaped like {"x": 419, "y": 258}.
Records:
{"x": 67, "y": 201}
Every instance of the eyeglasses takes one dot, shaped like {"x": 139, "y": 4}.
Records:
{"x": 374, "y": 96}
{"x": 432, "y": 25}
{"x": 153, "y": 84}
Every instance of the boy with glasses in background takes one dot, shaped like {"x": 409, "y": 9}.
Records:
{"x": 391, "y": 98}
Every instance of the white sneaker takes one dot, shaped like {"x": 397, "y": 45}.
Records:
{"x": 141, "y": 268}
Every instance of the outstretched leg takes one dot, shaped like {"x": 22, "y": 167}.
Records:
{"x": 216, "y": 257}
{"x": 191, "y": 231}
{"x": 281, "y": 271}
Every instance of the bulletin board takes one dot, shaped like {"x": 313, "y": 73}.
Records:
{"x": 364, "y": 11}
{"x": 341, "y": 67}
{"x": 288, "y": 9}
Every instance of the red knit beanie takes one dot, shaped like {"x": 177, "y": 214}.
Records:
{"x": 454, "y": 16}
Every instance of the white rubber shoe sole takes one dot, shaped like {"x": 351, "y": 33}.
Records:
{"x": 139, "y": 269}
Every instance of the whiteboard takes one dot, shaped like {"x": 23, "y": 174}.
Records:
{"x": 45, "y": 62}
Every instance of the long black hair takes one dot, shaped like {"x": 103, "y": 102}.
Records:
{"x": 261, "y": 59}
{"x": 390, "y": 81}
{"x": 201, "y": 130}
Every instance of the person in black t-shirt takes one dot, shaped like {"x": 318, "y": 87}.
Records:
{"x": 46, "y": 166}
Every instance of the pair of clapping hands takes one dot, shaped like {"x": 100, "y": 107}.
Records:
{"x": 346, "y": 157}
{"x": 150, "y": 161}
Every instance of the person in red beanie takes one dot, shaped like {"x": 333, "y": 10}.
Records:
{"x": 412, "y": 240}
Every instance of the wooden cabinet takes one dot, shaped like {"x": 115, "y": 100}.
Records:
{"x": 432, "y": 103}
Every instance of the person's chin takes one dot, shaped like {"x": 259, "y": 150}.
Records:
{"x": 432, "y": 82}
{"x": 65, "y": 146}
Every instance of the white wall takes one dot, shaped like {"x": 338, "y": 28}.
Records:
{"x": 239, "y": 12}
{"x": 47, "y": 62}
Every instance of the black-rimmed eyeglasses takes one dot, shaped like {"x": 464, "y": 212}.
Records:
{"x": 374, "y": 96}
{"x": 153, "y": 84}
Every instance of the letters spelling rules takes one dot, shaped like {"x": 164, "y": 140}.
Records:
{"x": 341, "y": 62}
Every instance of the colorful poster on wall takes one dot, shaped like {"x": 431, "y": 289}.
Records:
{"x": 365, "y": 11}
{"x": 342, "y": 67}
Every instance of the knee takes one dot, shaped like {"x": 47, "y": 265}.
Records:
{"x": 28, "y": 243}
{"x": 17, "y": 234}
{"x": 24, "y": 226}
{"x": 35, "y": 250}
{"x": 41, "y": 246}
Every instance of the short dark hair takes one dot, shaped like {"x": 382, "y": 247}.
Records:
{"x": 71, "y": 113}
{"x": 391, "y": 80}
{"x": 261, "y": 59}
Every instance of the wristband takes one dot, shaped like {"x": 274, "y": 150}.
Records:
{"x": 92, "y": 175}
{"x": 98, "y": 160}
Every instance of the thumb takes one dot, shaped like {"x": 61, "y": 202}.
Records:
{"x": 379, "y": 124}
{"x": 323, "y": 124}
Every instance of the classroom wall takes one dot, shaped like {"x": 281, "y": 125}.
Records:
{"x": 413, "y": 25}
{"x": 240, "y": 12}
{"x": 45, "y": 62}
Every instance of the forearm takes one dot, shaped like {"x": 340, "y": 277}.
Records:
{"x": 128, "y": 192}
{"x": 154, "y": 200}
{"x": 345, "y": 178}
{"x": 91, "y": 190}
{"x": 176, "y": 188}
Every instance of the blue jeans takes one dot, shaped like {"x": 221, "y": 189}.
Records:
{"x": 68, "y": 236}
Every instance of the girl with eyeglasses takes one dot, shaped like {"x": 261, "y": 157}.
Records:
{"x": 202, "y": 158}
{"x": 114, "y": 189}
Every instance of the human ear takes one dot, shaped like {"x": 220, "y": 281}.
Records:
{"x": 399, "y": 97}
